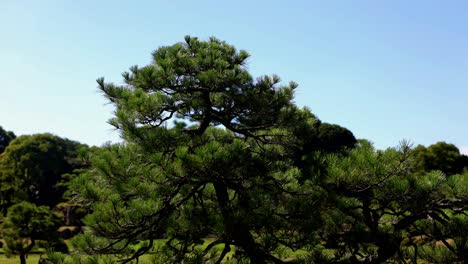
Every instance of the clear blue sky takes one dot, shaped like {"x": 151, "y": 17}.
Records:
{"x": 386, "y": 70}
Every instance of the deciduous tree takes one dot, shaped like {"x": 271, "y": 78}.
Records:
{"x": 32, "y": 169}
{"x": 5, "y": 138}
{"x": 440, "y": 156}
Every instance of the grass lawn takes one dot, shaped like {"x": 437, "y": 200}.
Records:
{"x": 32, "y": 259}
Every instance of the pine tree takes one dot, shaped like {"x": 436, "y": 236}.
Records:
{"x": 380, "y": 211}
{"x": 209, "y": 152}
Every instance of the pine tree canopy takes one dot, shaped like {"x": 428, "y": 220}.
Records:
{"x": 223, "y": 169}
{"x": 215, "y": 161}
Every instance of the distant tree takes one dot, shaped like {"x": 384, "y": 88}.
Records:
{"x": 25, "y": 225}
{"x": 335, "y": 138}
{"x": 315, "y": 141}
{"x": 5, "y": 138}
{"x": 464, "y": 161}
{"x": 32, "y": 169}
{"x": 74, "y": 212}
{"x": 440, "y": 156}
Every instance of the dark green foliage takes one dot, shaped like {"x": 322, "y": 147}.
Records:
{"x": 313, "y": 140}
{"x": 25, "y": 225}
{"x": 452, "y": 241}
{"x": 334, "y": 138}
{"x": 211, "y": 152}
{"x": 380, "y": 211}
{"x": 31, "y": 169}
{"x": 440, "y": 156}
{"x": 5, "y": 138}
{"x": 193, "y": 180}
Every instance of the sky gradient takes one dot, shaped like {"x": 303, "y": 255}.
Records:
{"x": 386, "y": 70}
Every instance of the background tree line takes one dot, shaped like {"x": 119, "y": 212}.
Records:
{"x": 34, "y": 173}
{"x": 215, "y": 161}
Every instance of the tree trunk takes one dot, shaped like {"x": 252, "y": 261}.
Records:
{"x": 67, "y": 217}
{"x": 26, "y": 250}
{"x": 235, "y": 230}
{"x": 22, "y": 258}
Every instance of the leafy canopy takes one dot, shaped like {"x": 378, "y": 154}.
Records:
{"x": 440, "y": 156}
{"x": 5, "y": 138}
{"x": 32, "y": 169}
{"x": 26, "y": 224}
